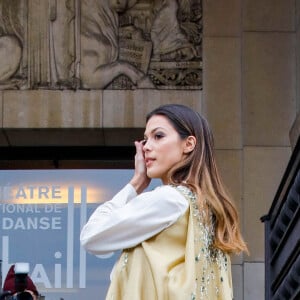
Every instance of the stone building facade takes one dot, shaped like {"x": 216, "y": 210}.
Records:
{"x": 235, "y": 61}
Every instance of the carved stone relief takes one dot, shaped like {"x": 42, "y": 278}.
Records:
{"x": 51, "y": 46}
{"x": 100, "y": 44}
{"x": 12, "y": 40}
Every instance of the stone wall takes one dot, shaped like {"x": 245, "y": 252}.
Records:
{"x": 250, "y": 97}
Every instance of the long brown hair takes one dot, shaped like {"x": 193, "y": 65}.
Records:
{"x": 199, "y": 171}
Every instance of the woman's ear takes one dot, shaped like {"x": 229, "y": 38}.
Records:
{"x": 190, "y": 143}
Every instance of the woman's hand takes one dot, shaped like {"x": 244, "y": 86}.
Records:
{"x": 140, "y": 180}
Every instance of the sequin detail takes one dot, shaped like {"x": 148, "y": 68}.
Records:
{"x": 125, "y": 259}
{"x": 210, "y": 261}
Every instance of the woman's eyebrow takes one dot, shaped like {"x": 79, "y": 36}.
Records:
{"x": 153, "y": 130}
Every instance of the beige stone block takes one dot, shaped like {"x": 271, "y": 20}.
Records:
{"x": 222, "y": 90}
{"x": 269, "y": 15}
{"x": 254, "y": 281}
{"x": 237, "y": 281}
{"x": 52, "y": 109}
{"x": 269, "y": 88}
{"x": 263, "y": 171}
{"x": 129, "y": 108}
{"x": 297, "y": 14}
{"x": 229, "y": 163}
{"x": 221, "y": 18}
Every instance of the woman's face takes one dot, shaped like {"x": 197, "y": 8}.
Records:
{"x": 163, "y": 147}
{"x": 118, "y": 5}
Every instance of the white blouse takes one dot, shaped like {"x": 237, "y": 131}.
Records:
{"x": 129, "y": 219}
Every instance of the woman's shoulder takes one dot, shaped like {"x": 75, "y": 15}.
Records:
{"x": 174, "y": 191}
{"x": 185, "y": 191}
{"x": 170, "y": 188}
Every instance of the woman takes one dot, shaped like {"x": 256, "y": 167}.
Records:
{"x": 176, "y": 239}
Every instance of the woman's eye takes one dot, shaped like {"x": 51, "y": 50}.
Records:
{"x": 158, "y": 136}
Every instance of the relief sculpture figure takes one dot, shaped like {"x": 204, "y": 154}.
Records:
{"x": 62, "y": 42}
{"x": 10, "y": 57}
{"x": 51, "y": 43}
{"x": 169, "y": 42}
{"x": 176, "y": 34}
{"x": 100, "y": 45}
{"x": 11, "y": 44}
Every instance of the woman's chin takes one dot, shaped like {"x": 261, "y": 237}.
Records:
{"x": 152, "y": 174}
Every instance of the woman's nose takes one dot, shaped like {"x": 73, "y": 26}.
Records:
{"x": 145, "y": 145}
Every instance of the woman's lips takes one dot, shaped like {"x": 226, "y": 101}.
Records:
{"x": 149, "y": 161}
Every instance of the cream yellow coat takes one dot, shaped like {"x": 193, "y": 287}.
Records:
{"x": 179, "y": 263}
